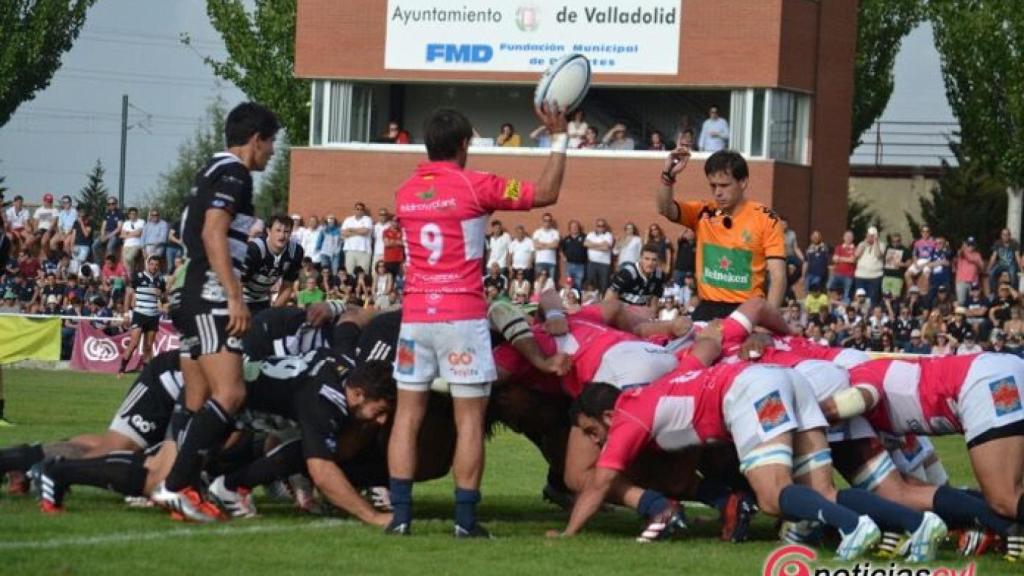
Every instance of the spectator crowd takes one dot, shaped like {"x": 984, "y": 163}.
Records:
{"x": 870, "y": 293}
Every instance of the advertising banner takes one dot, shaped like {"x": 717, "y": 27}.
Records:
{"x": 29, "y": 339}
{"x": 618, "y": 36}
{"x": 96, "y": 351}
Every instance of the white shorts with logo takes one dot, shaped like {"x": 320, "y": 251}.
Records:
{"x": 991, "y": 396}
{"x": 765, "y": 402}
{"x": 825, "y": 379}
{"x": 457, "y": 351}
{"x": 634, "y": 363}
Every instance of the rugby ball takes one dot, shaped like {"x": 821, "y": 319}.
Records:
{"x": 566, "y": 82}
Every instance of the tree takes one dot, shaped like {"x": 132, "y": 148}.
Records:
{"x": 173, "y": 185}
{"x": 859, "y": 217}
{"x": 92, "y": 198}
{"x": 966, "y": 201}
{"x": 34, "y": 35}
{"x": 881, "y": 26}
{"x": 273, "y": 192}
{"x": 261, "y": 62}
{"x": 981, "y": 44}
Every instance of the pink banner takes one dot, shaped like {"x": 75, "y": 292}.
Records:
{"x": 95, "y": 351}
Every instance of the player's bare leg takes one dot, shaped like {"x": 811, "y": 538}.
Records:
{"x": 133, "y": 343}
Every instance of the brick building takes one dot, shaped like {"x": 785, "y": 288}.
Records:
{"x": 780, "y": 71}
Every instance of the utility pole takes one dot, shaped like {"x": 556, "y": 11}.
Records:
{"x": 124, "y": 150}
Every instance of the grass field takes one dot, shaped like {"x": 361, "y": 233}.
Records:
{"x": 99, "y": 535}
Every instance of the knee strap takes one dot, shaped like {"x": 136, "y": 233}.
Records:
{"x": 809, "y": 462}
{"x": 766, "y": 455}
{"x": 509, "y": 320}
{"x": 872, "y": 473}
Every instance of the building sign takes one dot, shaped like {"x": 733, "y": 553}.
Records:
{"x": 619, "y": 36}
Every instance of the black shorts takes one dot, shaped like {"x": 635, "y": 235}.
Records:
{"x": 147, "y": 323}
{"x": 708, "y": 310}
{"x": 204, "y": 330}
{"x": 144, "y": 414}
{"x": 393, "y": 268}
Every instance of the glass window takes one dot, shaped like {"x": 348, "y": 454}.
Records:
{"x": 788, "y": 127}
{"x": 316, "y": 134}
{"x": 757, "y": 124}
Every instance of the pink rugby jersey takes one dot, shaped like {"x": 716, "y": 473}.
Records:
{"x": 915, "y": 397}
{"x": 443, "y": 212}
{"x": 587, "y": 341}
{"x": 682, "y": 409}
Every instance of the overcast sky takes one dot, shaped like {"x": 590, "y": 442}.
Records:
{"x": 132, "y": 47}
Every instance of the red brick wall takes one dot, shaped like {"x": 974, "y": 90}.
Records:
{"x": 620, "y": 190}
{"x": 722, "y": 43}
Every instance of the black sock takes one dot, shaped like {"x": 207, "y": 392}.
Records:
{"x": 1020, "y": 509}
{"x": 124, "y": 364}
{"x": 240, "y": 454}
{"x": 278, "y": 464}
{"x": 122, "y": 472}
{"x": 20, "y": 458}
{"x": 962, "y": 509}
{"x": 1, "y": 408}
{"x": 207, "y": 431}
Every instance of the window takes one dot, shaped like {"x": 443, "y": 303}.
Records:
{"x": 341, "y": 112}
{"x": 771, "y": 124}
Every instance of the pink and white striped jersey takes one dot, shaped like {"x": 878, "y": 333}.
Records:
{"x": 443, "y": 211}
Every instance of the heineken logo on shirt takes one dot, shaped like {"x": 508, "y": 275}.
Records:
{"x": 727, "y": 268}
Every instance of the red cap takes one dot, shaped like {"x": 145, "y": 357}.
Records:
{"x": 47, "y": 197}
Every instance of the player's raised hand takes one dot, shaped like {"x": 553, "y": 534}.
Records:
{"x": 552, "y": 117}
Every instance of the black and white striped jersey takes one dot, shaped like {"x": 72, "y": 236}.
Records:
{"x": 262, "y": 268}
{"x": 224, "y": 183}
{"x": 148, "y": 291}
{"x": 635, "y": 288}
{"x": 284, "y": 332}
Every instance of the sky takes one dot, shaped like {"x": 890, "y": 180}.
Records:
{"x": 132, "y": 47}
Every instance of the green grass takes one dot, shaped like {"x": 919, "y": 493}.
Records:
{"x": 99, "y": 535}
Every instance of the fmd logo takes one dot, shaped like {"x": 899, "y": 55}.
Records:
{"x": 470, "y": 53}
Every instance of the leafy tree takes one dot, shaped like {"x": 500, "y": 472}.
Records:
{"x": 966, "y": 201}
{"x": 859, "y": 217}
{"x": 92, "y": 198}
{"x": 881, "y": 26}
{"x": 174, "y": 184}
{"x": 273, "y": 191}
{"x": 981, "y": 44}
{"x": 261, "y": 62}
{"x": 34, "y": 34}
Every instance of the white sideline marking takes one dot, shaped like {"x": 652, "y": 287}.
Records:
{"x": 122, "y": 537}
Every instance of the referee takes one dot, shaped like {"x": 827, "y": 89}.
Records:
{"x": 739, "y": 241}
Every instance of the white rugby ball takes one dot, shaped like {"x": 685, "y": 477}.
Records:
{"x": 566, "y": 82}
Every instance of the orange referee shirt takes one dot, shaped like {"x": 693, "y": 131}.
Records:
{"x": 732, "y": 250}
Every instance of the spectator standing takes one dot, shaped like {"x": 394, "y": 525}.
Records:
{"x": 577, "y": 128}
{"x": 794, "y": 258}
{"x": 941, "y": 268}
{"x": 154, "y": 235}
{"x": 394, "y": 250}
{"x": 575, "y": 252}
{"x": 44, "y": 221}
{"x": 383, "y": 221}
{"x": 868, "y": 271}
{"x": 131, "y": 238}
{"x": 508, "y": 137}
{"x": 545, "y": 243}
{"x": 82, "y": 238}
{"x": 329, "y": 243}
{"x": 714, "y": 133}
{"x": 656, "y": 237}
{"x": 617, "y": 139}
{"x": 357, "y": 230}
{"x": 627, "y": 249}
{"x": 310, "y": 234}
{"x": 816, "y": 261}
{"x": 894, "y": 265}
{"x": 63, "y": 237}
{"x": 739, "y": 241}
{"x": 498, "y": 247}
{"x": 686, "y": 256}
{"x": 298, "y": 230}
{"x": 174, "y": 247}
{"x": 1005, "y": 258}
{"x": 110, "y": 232}
{"x": 599, "y": 244}
{"x": 521, "y": 253}
{"x": 844, "y": 262}
{"x": 969, "y": 265}
{"x": 922, "y": 250}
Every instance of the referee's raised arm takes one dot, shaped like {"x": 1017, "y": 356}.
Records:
{"x": 674, "y": 164}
